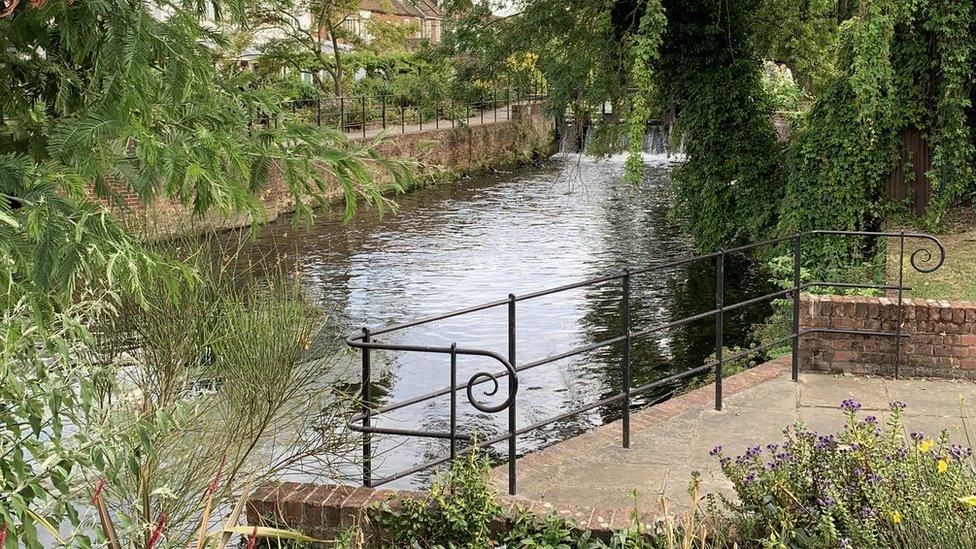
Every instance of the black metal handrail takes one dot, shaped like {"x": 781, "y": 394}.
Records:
{"x": 362, "y": 422}
{"x": 363, "y": 113}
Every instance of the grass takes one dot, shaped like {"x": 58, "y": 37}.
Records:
{"x": 956, "y": 280}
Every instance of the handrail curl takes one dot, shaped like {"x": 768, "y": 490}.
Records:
{"x": 926, "y": 254}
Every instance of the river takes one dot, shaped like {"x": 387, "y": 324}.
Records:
{"x": 476, "y": 240}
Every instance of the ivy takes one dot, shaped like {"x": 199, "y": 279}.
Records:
{"x": 903, "y": 66}
{"x": 710, "y": 73}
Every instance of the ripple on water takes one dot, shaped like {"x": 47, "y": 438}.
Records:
{"x": 478, "y": 240}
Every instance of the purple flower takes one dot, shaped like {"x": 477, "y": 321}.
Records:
{"x": 859, "y": 472}
{"x": 825, "y": 502}
{"x": 850, "y": 405}
{"x": 870, "y": 419}
{"x": 716, "y": 450}
{"x": 724, "y": 461}
{"x": 896, "y": 405}
{"x": 753, "y": 452}
{"x": 917, "y": 436}
{"x": 772, "y": 447}
{"x": 749, "y": 479}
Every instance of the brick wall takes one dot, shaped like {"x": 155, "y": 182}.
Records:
{"x": 451, "y": 151}
{"x": 323, "y": 511}
{"x": 941, "y": 338}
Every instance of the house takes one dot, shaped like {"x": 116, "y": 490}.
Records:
{"x": 425, "y": 14}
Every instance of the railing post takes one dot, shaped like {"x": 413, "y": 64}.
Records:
{"x": 342, "y": 114}
{"x": 901, "y": 289}
{"x": 797, "y": 262}
{"x": 367, "y": 442}
{"x": 508, "y": 103}
{"x": 453, "y": 401}
{"x": 363, "y": 101}
{"x": 625, "y": 358}
{"x": 318, "y": 112}
{"x": 719, "y": 325}
{"x": 420, "y": 114}
{"x": 511, "y": 391}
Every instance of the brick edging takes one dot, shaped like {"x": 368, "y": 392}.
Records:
{"x": 321, "y": 511}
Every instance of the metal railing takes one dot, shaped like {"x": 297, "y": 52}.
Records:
{"x": 362, "y": 114}
{"x": 921, "y": 259}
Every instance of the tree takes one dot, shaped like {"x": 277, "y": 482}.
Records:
{"x": 300, "y": 30}
{"x": 101, "y": 99}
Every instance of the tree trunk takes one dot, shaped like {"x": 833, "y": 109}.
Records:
{"x": 337, "y": 76}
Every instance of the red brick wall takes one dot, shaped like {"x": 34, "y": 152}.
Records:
{"x": 941, "y": 338}
{"x": 324, "y": 511}
{"x": 460, "y": 150}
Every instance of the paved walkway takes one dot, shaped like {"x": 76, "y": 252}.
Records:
{"x": 412, "y": 125}
{"x": 673, "y": 439}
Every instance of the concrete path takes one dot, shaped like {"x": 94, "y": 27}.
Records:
{"x": 673, "y": 439}
{"x": 412, "y": 125}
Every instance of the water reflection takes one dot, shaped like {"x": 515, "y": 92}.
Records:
{"x": 478, "y": 240}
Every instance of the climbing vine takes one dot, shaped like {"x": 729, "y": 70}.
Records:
{"x": 645, "y": 51}
{"x": 710, "y": 73}
{"x": 904, "y": 66}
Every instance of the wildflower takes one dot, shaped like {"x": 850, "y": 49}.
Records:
{"x": 917, "y": 436}
{"x": 749, "y": 479}
{"x": 968, "y": 500}
{"x": 943, "y": 466}
{"x": 896, "y": 517}
{"x": 724, "y": 461}
{"x": 753, "y": 452}
{"x": 850, "y": 405}
{"x": 870, "y": 420}
{"x": 716, "y": 450}
{"x": 926, "y": 445}
{"x": 896, "y": 405}
{"x": 825, "y": 502}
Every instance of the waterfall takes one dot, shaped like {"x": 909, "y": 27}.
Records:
{"x": 657, "y": 138}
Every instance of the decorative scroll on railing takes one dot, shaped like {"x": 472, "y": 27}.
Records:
{"x": 922, "y": 259}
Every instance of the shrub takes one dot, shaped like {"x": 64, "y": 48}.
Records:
{"x": 866, "y": 486}
{"x": 462, "y": 511}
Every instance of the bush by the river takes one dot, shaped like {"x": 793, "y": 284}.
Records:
{"x": 869, "y": 485}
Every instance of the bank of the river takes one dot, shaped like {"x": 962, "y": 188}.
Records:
{"x": 478, "y": 239}
{"x": 437, "y": 155}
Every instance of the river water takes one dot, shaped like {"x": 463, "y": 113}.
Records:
{"x": 477, "y": 240}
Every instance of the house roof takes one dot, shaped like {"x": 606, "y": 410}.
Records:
{"x": 409, "y": 8}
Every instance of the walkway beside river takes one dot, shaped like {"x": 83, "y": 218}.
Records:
{"x": 671, "y": 440}
{"x": 395, "y": 125}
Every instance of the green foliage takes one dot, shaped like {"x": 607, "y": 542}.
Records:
{"x": 865, "y": 486}
{"x": 462, "y": 511}
{"x": 726, "y": 191}
{"x": 123, "y": 102}
{"x": 156, "y": 405}
{"x": 895, "y": 74}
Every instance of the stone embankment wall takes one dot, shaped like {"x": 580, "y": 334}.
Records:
{"x": 440, "y": 153}
{"x": 940, "y": 336}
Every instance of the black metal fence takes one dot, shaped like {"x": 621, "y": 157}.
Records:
{"x": 921, "y": 259}
{"x": 362, "y": 114}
